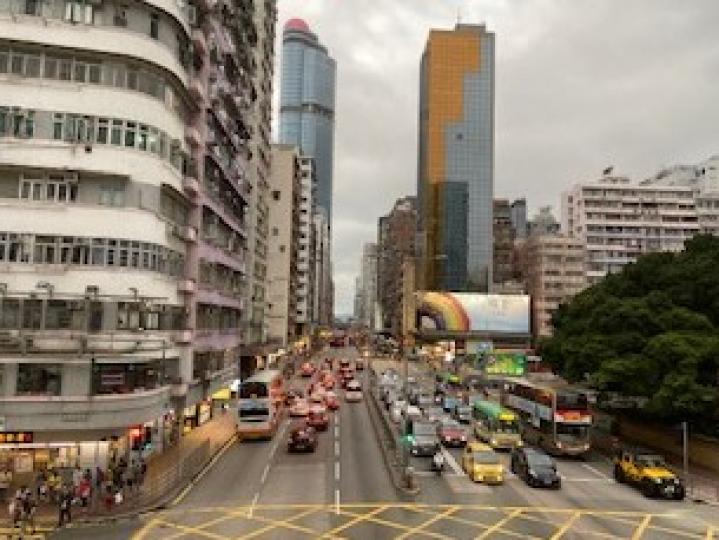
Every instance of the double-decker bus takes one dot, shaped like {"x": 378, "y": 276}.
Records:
{"x": 261, "y": 405}
{"x": 497, "y": 426}
{"x": 555, "y": 416}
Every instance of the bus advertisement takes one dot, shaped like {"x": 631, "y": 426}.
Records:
{"x": 497, "y": 426}
{"x": 261, "y": 405}
{"x": 556, "y": 418}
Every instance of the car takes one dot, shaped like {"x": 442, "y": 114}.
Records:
{"x": 536, "y": 468}
{"x": 353, "y": 391}
{"x": 449, "y": 403}
{"x": 482, "y": 464}
{"x": 422, "y": 438}
{"x": 332, "y": 402}
{"x": 649, "y": 472}
{"x": 318, "y": 395}
{"x": 307, "y": 369}
{"x": 396, "y": 413}
{"x": 434, "y": 414}
{"x": 359, "y": 365}
{"x": 345, "y": 364}
{"x": 302, "y": 439}
{"x": 318, "y": 419}
{"x": 299, "y": 408}
{"x": 328, "y": 383}
{"x": 463, "y": 414}
{"x": 425, "y": 400}
{"x": 450, "y": 433}
{"x": 412, "y": 413}
{"x": 292, "y": 395}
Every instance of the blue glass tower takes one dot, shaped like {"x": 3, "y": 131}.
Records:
{"x": 307, "y": 103}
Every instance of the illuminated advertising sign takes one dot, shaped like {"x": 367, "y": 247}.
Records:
{"x": 473, "y": 312}
{"x": 513, "y": 364}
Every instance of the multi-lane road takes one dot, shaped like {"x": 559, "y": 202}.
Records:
{"x": 258, "y": 490}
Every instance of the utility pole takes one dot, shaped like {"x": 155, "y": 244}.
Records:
{"x": 685, "y": 445}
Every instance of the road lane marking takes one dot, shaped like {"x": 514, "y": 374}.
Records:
{"x": 352, "y": 522}
{"x": 422, "y": 526}
{"x": 452, "y": 462}
{"x": 204, "y": 471}
{"x": 265, "y": 473}
{"x": 337, "y": 502}
{"x": 501, "y": 523}
{"x": 639, "y": 531}
{"x": 337, "y": 431}
{"x": 285, "y": 523}
{"x": 142, "y": 533}
{"x": 597, "y": 471}
{"x": 567, "y": 525}
{"x": 337, "y": 471}
{"x": 337, "y": 448}
{"x": 254, "y": 503}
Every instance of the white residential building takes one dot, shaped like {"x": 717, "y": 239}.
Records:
{"x": 283, "y": 276}
{"x": 618, "y": 221}
{"x": 306, "y": 250}
{"x": 124, "y": 191}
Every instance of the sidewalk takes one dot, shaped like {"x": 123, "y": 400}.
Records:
{"x": 167, "y": 473}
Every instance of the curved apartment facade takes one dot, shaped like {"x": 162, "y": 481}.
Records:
{"x": 124, "y": 187}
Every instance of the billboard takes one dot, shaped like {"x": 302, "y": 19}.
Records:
{"x": 473, "y": 312}
{"x": 513, "y": 364}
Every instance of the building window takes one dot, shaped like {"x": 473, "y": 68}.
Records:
{"x": 78, "y": 12}
{"x": 112, "y": 196}
{"x": 32, "y": 7}
{"x": 154, "y": 26}
{"x": 38, "y": 379}
{"x": 275, "y": 195}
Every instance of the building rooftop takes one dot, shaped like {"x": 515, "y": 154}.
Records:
{"x": 298, "y": 25}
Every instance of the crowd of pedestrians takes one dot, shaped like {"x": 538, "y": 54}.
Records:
{"x": 89, "y": 490}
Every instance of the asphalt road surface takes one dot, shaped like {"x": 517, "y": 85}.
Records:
{"x": 258, "y": 490}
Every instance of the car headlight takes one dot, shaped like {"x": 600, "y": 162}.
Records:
{"x": 463, "y": 438}
{"x": 657, "y": 480}
{"x": 493, "y": 441}
{"x": 447, "y": 438}
{"x": 559, "y": 444}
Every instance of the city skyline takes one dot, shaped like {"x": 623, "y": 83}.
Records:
{"x": 573, "y": 127}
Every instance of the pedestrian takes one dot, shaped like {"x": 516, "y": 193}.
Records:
{"x": 64, "y": 507}
{"x": 76, "y": 476}
{"x": 29, "y": 509}
{"x": 84, "y": 492}
{"x": 99, "y": 477}
{"x": 109, "y": 499}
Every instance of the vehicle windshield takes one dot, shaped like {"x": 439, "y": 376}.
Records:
{"x": 507, "y": 426}
{"x": 486, "y": 458}
{"x": 571, "y": 431}
{"x": 448, "y": 423}
{"x": 257, "y": 414}
{"x": 423, "y": 429}
{"x": 651, "y": 461}
{"x": 540, "y": 460}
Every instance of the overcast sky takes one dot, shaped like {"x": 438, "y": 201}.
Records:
{"x": 580, "y": 85}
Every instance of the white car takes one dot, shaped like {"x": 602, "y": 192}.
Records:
{"x": 353, "y": 391}
{"x": 413, "y": 413}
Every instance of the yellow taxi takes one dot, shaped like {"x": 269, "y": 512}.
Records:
{"x": 482, "y": 464}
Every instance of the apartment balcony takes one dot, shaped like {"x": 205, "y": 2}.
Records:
{"x": 75, "y": 342}
{"x": 216, "y": 340}
{"x": 199, "y": 43}
{"x": 102, "y": 412}
{"x": 191, "y": 186}
{"x": 188, "y": 233}
{"x": 192, "y": 136}
{"x": 183, "y": 336}
{"x": 206, "y": 5}
{"x": 197, "y": 92}
{"x": 186, "y": 286}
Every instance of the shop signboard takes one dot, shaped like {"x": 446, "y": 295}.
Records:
{"x": 513, "y": 364}
{"x": 16, "y": 437}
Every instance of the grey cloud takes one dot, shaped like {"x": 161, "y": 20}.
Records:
{"x": 580, "y": 85}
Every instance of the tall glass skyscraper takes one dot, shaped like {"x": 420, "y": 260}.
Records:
{"x": 455, "y": 181}
{"x": 307, "y": 103}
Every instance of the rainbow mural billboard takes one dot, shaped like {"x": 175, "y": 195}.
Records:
{"x": 473, "y": 312}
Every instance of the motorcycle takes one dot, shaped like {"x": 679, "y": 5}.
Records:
{"x": 438, "y": 463}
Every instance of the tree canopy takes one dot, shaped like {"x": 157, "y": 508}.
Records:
{"x": 649, "y": 331}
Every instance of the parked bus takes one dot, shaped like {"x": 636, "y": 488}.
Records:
{"x": 497, "y": 426}
{"x": 555, "y": 416}
{"x": 261, "y": 405}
